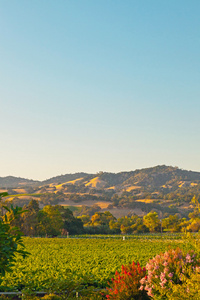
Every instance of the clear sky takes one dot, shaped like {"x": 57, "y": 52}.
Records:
{"x": 94, "y": 86}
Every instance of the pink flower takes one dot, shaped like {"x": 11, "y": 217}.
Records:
{"x": 164, "y": 280}
{"x": 188, "y": 258}
{"x": 162, "y": 284}
{"x": 148, "y": 266}
{"x": 162, "y": 275}
{"x": 150, "y": 292}
{"x": 166, "y": 270}
{"x": 143, "y": 280}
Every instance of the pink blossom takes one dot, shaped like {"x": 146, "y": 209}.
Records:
{"x": 166, "y": 270}
{"x": 143, "y": 280}
{"x": 188, "y": 258}
{"x": 148, "y": 266}
{"x": 162, "y": 275}
{"x": 162, "y": 284}
{"x": 150, "y": 292}
{"x": 164, "y": 280}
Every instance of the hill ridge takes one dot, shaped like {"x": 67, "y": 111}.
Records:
{"x": 156, "y": 176}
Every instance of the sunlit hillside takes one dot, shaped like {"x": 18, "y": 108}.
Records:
{"x": 161, "y": 188}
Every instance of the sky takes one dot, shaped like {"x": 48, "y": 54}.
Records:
{"x": 89, "y": 86}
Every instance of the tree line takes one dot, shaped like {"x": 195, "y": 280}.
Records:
{"x": 57, "y": 220}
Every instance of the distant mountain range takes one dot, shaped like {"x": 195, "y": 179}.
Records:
{"x": 149, "y": 177}
{"x": 163, "y": 188}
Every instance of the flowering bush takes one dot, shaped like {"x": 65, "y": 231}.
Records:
{"x": 167, "y": 269}
{"x": 189, "y": 289}
{"x": 126, "y": 284}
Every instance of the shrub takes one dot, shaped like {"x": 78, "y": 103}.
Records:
{"x": 188, "y": 290}
{"x": 11, "y": 241}
{"x": 166, "y": 270}
{"x": 126, "y": 284}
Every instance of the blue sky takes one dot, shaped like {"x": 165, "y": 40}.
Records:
{"x": 98, "y": 86}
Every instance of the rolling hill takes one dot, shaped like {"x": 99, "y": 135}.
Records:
{"x": 163, "y": 187}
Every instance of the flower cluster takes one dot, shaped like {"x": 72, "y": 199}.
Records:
{"x": 126, "y": 284}
{"x": 167, "y": 269}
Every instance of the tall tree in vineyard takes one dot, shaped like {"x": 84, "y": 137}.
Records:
{"x": 29, "y": 219}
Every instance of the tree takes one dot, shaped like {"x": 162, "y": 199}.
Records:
{"x": 196, "y": 205}
{"x": 43, "y": 227}
{"x": 10, "y": 240}
{"x": 114, "y": 226}
{"x": 171, "y": 223}
{"x": 70, "y": 223}
{"x": 194, "y": 226}
{"x": 29, "y": 219}
{"x": 102, "y": 218}
{"x": 51, "y": 220}
{"x": 1, "y": 201}
{"x": 84, "y": 218}
{"x": 151, "y": 221}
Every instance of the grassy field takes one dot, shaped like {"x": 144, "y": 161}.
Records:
{"x": 93, "y": 260}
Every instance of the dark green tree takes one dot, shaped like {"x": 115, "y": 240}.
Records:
{"x": 72, "y": 224}
{"x": 29, "y": 219}
{"x": 11, "y": 241}
{"x": 49, "y": 221}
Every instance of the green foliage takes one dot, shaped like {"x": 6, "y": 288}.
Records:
{"x": 92, "y": 261}
{"x": 152, "y": 222}
{"x": 188, "y": 290}
{"x": 51, "y": 297}
{"x": 11, "y": 241}
{"x": 71, "y": 224}
{"x": 4, "y": 194}
{"x": 49, "y": 221}
{"x": 102, "y": 218}
{"x": 51, "y": 198}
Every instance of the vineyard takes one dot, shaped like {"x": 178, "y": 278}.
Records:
{"x": 91, "y": 261}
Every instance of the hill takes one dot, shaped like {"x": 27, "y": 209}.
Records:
{"x": 162, "y": 188}
{"x": 152, "y": 177}
{"x": 11, "y": 181}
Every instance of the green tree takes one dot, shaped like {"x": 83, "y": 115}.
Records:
{"x": 102, "y": 218}
{"x": 152, "y": 221}
{"x": 71, "y": 224}
{"x": 195, "y": 203}
{"x": 172, "y": 223}
{"x": 84, "y": 218}
{"x": 43, "y": 226}
{"x": 49, "y": 221}
{"x": 10, "y": 241}
{"x": 194, "y": 226}
{"x": 55, "y": 223}
{"x": 29, "y": 219}
{"x": 114, "y": 226}
{"x": 1, "y": 201}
